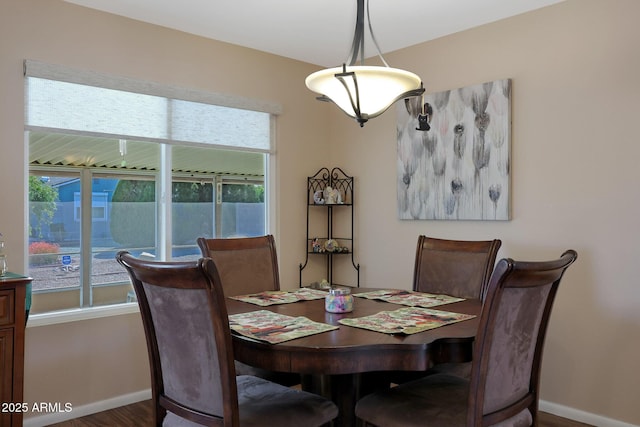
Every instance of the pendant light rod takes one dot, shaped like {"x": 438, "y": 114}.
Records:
{"x": 357, "y": 46}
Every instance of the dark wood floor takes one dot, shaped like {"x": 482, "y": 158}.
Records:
{"x": 139, "y": 415}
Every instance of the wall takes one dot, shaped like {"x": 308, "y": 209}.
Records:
{"x": 575, "y": 68}
{"x": 99, "y": 360}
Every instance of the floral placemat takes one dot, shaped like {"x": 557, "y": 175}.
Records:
{"x": 281, "y": 297}
{"x": 274, "y": 328}
{"x": 410, "y": 298}
{"x": 408, "y": 320}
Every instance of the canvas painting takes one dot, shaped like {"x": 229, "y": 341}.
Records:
{"x": 459, "y": 169}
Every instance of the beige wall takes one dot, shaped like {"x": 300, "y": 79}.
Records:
{"x": 575, "y": 177}
{"x": 95, "y": 360}
{"x": 574, "y": 68}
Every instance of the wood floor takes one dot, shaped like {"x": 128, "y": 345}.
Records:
{"x": 139, "y": 415}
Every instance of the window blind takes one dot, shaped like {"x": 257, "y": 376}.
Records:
{"x": 91, "y": 103}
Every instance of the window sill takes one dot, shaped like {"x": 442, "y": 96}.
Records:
{"x": 80, "y": 314}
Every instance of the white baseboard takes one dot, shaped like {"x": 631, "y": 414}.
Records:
{"x": 127, "y": 399}
{"x": 91, "y": 408}
{"x": 581, "y": 416}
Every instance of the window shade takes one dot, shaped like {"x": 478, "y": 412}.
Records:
{"x": 87, "y": 102}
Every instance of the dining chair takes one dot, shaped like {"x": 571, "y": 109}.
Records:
{"x": 248, "y": 265}
{"x": 505, "y": 374}
{"x": 191, "y": 354}
{"x": 460, "y": 268}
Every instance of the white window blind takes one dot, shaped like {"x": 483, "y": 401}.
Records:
{"x": 91, "y": 103}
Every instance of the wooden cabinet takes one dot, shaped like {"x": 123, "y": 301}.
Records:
{"x": 13, "y": 294}
{"x": 330, "y": 227}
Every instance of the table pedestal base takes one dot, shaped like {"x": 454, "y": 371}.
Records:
{"x": 344, "y": 390}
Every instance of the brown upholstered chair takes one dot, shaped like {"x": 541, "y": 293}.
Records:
{"x": 191, "y": 355}
{"x": 459, "y": 268}
{"x": 504, "y": 383}
{"x": 248, "y": 265}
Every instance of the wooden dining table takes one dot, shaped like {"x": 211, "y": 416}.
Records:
{"x": 333, "y": 363}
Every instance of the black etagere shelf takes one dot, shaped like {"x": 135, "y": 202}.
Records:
{"x": 330, "y": 191}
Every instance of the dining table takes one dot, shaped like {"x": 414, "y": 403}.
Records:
{"x": 348, "y": 362}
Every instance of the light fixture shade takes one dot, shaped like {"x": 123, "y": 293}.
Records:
{"x": 377, "y": 88}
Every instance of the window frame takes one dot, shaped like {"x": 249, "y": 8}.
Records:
{"x": 60, "y": 73}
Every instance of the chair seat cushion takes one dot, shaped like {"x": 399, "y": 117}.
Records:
{"x": 462, "y": 370}
{"x": 435, "y": 400}
{"x": 263, "y": 403}
{"x": 284, "y": 378}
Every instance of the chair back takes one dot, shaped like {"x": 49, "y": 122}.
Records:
{"x": 246, "y": 265}
{"x": 508, "y": 348}
{"x": 188, "y": 339}
{"x": 454, "y": 267}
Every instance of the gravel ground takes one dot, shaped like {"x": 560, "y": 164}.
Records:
{"x": 103, "y": 271}
{"x": 55, "y": 277}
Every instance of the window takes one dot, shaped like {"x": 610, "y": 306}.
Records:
{"x": 98, "y": 204}
{"x": 100, "y": 161}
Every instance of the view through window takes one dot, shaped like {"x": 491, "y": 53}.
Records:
{"x": 91, "y": 196}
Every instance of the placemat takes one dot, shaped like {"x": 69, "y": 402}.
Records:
{"x": 408, "y": 320}
{"x": 410, "y": 298}
{"x": 274, "y": 328}
{"x": 281, "y": 297}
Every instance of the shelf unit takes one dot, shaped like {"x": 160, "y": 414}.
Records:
{"x": 343, "y": 207}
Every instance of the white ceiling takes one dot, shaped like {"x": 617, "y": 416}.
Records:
{"x": 317, "y": 32}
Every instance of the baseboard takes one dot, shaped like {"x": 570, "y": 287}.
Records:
{"x": 581, "y": 416}
{"x": 91, "y": 408}
{"x": 127, "y": 399}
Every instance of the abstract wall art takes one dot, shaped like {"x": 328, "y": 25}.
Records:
{"x": 460, "y": 169}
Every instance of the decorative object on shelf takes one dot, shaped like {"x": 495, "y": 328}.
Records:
{"x": 318, "y": 197}
{"x": 332, "y": 196}
{"x": 331, "y": 245}
{"x": 364, "y": 92}
{"x": 339, "y": 300}
{"x": 461, "y": 169}
{"x": 322, "y": 285}
{"x": 341, "y": 249}
{"x": 336, "y": 190}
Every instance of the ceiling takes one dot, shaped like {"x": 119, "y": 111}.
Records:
{"x": 318, "y": 32}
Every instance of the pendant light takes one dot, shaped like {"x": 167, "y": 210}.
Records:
{"x": 362, "y": 91}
